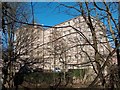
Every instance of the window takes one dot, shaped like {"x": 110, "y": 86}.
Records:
{"x": 89, "y": 35}
{"x": 69, "y": 58}
{"x": 74, "y": 20}
{"x": 79, "y": 20}
{"x": 32, "y": 44}
{"x": 49, "y": 37}
{"x": 38, "y": 52}
{"x": 64, "y": 32}
{"x": 80, "y": 38}
{"x": 100, "y": 39}
{"x": 69, "y": 23}
{"x": 37, "y": 45}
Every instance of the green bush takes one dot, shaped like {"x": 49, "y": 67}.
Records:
{"x": 49, "y": 77}
{"x": 79, "y": 73}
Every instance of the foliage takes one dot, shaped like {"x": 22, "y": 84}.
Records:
{"x": 77, "y": 73}
{"x": 106, "y": 20}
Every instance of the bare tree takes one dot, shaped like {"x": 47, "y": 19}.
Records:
{"x": 10, "y": 11}
{"x": 109, "y": 29}
{"x": 103, "y": 31}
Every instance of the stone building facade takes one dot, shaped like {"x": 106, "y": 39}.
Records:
{"x": 68, "y": 45}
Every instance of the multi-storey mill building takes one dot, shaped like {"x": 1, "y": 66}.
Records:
{"x": 62, "y": 46}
